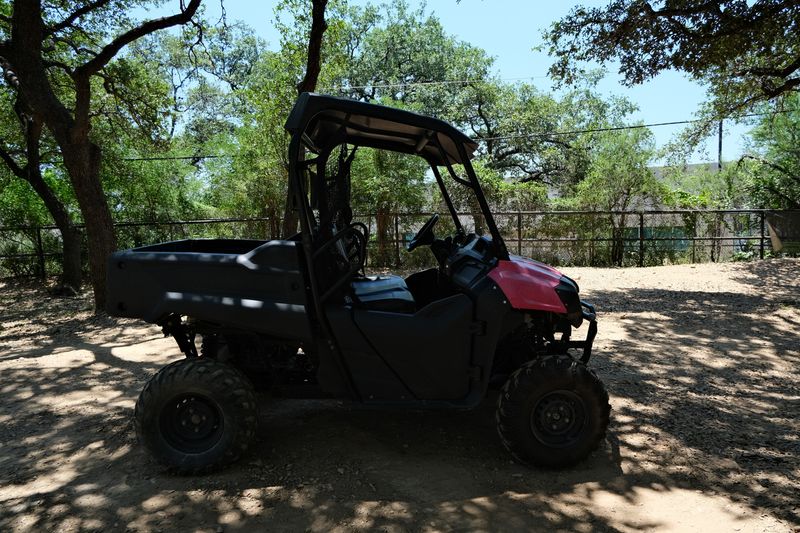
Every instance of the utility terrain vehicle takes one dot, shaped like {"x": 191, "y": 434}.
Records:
{"x": 298, "y": 316}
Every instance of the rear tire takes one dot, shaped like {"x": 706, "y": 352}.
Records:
{"x": 196, "y": 415}
{"x": 552, "y": 412}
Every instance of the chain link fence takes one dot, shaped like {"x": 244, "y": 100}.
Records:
{"x": 576, "y": 238}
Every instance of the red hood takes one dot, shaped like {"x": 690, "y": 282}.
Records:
{"x": 538, "y": 265}
{"x": 528, "y": 284}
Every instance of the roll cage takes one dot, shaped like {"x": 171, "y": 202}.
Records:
{"x": 319, "y": 123}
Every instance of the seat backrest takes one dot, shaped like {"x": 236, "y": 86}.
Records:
{"x": 383, "y": 293}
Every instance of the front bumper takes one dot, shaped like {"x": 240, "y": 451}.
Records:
{"x": 589, "y": 314}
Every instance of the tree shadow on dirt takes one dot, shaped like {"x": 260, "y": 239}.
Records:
{"x": 711, "y": 379}
{"x": 69, "y": 462}
{"x": 703, "y": 385}
{"x": 33, "y": 322}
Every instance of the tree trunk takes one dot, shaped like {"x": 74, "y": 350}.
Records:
{"x": 70, "y": 123}
{"x": 307, "y": 85}
{"x": 71, "y": 264}
{"x": 290, "y": 218}
{"x": 383, "y": 221}
{"x": 477, "y": 215}
{"x": 72, "y": 274}
{"x": 32, "y": 173}
{"x": 274, "y": 215}
{"x": 82, "y": 160}
{"x": 71, "y": 271}
{"x": 616, "y": 241}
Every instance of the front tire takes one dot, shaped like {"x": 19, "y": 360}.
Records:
{"x": 196, "y": 415}
{"x": 552, "y": 412}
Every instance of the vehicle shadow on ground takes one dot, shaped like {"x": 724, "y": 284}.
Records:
{"x": 69, "y": 460}
{"x": 316, "y": 464}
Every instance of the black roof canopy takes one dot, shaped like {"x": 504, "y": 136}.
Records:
{"x": 327, "y": 121}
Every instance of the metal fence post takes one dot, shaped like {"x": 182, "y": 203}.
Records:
{"x": 40, "y": 253}
{"x": 763, "y": 234}
{"x": 641, "y": 238}
{"x": 519, "y": 232}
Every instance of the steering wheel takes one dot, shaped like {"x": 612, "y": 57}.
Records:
{"x": 425, "y": 234}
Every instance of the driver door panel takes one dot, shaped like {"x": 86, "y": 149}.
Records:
{"x": 429, "y": 351}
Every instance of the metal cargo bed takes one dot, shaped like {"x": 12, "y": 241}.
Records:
{"x": 238, "y": 283}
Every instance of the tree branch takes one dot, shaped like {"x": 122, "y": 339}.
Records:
{"x": 774, "y": 71}
{"x": 488, "y": 125}
{"x": 58, "y": 64}
{"x": 558, "y": 142}
{"x": 771, "y": 90}
{"x": 670, "y": 12}
{"x": 774, "y": 166}
{"x": 789, "y": 200}
{"x": 508, "y": 152}
{"x": 313, "y": 63}
{"x": 75, "y": 48}
{"x": 108, "y": 52}
{"x": 91, "y": 6}
{"x": 8, "y": 72}
{"x": 12, "y": 164}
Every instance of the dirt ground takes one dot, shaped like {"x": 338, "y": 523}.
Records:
{"x": 701, "y": 362}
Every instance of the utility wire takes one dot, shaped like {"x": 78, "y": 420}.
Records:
{"x": 619, "y": 128}
{"x": 416, "y": 83}
{"x": 576, "y": 132}
{"x": 503, "y": 137}
{"x": 177, "y": 157}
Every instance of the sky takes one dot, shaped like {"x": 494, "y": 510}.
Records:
{"x": 508, "y": 30}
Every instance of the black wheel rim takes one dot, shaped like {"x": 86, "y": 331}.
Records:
{"x": 191, "y": 423}
{"x": 558, "y": 418}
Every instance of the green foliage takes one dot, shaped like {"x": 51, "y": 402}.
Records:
{"x": 746, "y": 52}
{"x": 706, "y": 188}
{"x": 384, "y": 183}
{"x": 618, "y": 175}
{"x": 170, "y": 95}
{"x": 387, "y": 181}
{"x": 774, "y": 165}
{"x": 395, "y": 55}
{"x": 618, "y": 179}
{"x": 19, "y": 204}
{"x": 139, "y": 109}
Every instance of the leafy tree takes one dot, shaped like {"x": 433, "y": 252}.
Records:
{"x": 401, "y": 56}
{"x": 44, "y": 46}
{"x": 525, "y": 132}
{"x": 313, "y": 30}
{"x": 703, "y": 190}
{"x": 384, "y": 183}
{"x": 618, "y": 175}
{"x": 389, "y": 58}
{"x": 619, "y": 179}
{"x": 405, "y": 55}
{"x": 21, "y": 151}
{"x": 746, "y": 52}
{"x": 774, "y": 163}
{"x": 254, "y": 181}
{"x": 197, "y": 94}
{"x": 707, "y": 188}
